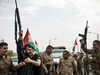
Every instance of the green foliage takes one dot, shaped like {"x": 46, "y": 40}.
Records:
{"x": 10, "y": 53}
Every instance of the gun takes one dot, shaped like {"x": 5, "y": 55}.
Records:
{"x": 17, "y": 19}
{"x": 85, "y": 35}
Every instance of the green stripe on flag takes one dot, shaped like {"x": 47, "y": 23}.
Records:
{"x": 37, "y": 50}
{"x": 32, "y": 44}
{"x": 74, "y": 49}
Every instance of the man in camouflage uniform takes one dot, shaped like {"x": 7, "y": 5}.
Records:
{"x": 80, "y": 64}
{"x": 95, "y": 52}
{"x": 75, "y": 57}
{"x": 47, "y": 61}
{"x": 6, "y": 65}
{"x": 66, "y": 65}
{"x": 86, "y": 62}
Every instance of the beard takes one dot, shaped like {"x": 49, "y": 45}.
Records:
{"x": 28, "y": 54}
{"x": 65, "y": 57}
{"x": 5, "y": 53}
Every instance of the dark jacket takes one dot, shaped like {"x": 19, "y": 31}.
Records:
{"x": 27, "y": 69}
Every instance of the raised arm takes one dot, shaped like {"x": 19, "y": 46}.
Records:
{"x": 89, "y": 51}
{"x": 21, "y": 55}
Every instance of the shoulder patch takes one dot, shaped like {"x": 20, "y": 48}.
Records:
{"x": 39, "y": 57}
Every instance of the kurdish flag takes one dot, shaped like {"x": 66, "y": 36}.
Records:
{"x": 28, "y": 40}
{"x": 75, "y": 43}
{"x": 37, "y": 49}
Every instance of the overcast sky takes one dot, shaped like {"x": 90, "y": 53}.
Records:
{"x": 49, "y": 19}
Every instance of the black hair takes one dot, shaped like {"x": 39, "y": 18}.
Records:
{"x": 49, "y": 46}
{"x": 3, "y": 44}
{"x": 66, "y": 51}
{"x": 28, "y": 45}
{"x": 81, "y": 53}
{"x": 75, "y": 56}
{"x": 97, "y": 41}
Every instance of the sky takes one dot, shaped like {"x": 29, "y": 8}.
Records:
{"x": 50, "y": 19}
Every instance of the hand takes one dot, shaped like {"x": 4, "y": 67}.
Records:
{"x": 27, "y": 60}
{"x": 46, "y": 72}
{"x": 57, "y": 73}
{"x": 54, "y": 73}
{"x": 81, "y": 41}
{"x": 21, "y": 64}
{"x": 98, "y": 71}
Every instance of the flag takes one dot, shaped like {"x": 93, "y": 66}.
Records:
{"x": 75, "y": 43}
{"x": 37, "y": 49}
{"x": 28, "y": 40}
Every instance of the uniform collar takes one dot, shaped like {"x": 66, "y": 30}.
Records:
{"x": 47, "y": 53}
{"x": 80, "y": 58}
{"x": 96, "y": 51}
{"x": 67, "y": 58}
{"x": 2, "y": 57}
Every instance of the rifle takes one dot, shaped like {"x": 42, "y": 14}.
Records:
{"x": 85, "y": 35}
{"x": 17, "y": 20}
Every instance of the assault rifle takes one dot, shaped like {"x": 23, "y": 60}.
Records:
{"x": 85, "y": 35}
{"x": 17, "y": 19}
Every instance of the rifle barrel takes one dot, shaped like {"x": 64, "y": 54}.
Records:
{"x": 87, "y": 23}
{"x": 16, "y": 3}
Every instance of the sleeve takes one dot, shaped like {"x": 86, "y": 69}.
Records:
{"x": 59, "y": 66}
{"x": 43, "y": 66}
{"x": 90, "y": 60}
{"x": 12, "y": 67}
{"x": 53, "y": 64}
{"x": 19, "y": 50}
{"x": 75, "y": 67}
{"x": 54, "y": 67}
{"x": 78, "y": 63}
{"x": 86, "y": 50}
{"x": 83, "y": 60}
{"x": 74, "y": 64}
{"x": 39, "y": 57}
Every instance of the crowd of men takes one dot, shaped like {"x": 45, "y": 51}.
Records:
{"x": 30, "y": 63}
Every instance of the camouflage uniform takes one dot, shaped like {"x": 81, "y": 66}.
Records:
{"x": 95, "y": 64}
{"x": 86, "y": 62}
{"x": 6, "y": 65}
{"x": 48, "y": 63}
{"x": 77, "y": 71}
{"x": 79, "y": 66}
{"x": 66, "y": 66}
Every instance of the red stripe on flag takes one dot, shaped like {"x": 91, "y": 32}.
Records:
{"x": 25, "y": 40}
{"x": 35, "y": 42}
{"x": 75, "y": 42}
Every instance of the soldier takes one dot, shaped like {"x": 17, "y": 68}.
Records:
{"x": 47, "y": 60}
{"x": 75, "y": 57}
{"x": 6, "y": 64}
{"x": 66, "y": 65}
{"x": 95, "y": 52}
{"x": 22, "y": 54}
{"x": 86, "y": 62}
{"x": 79, "y": 64}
